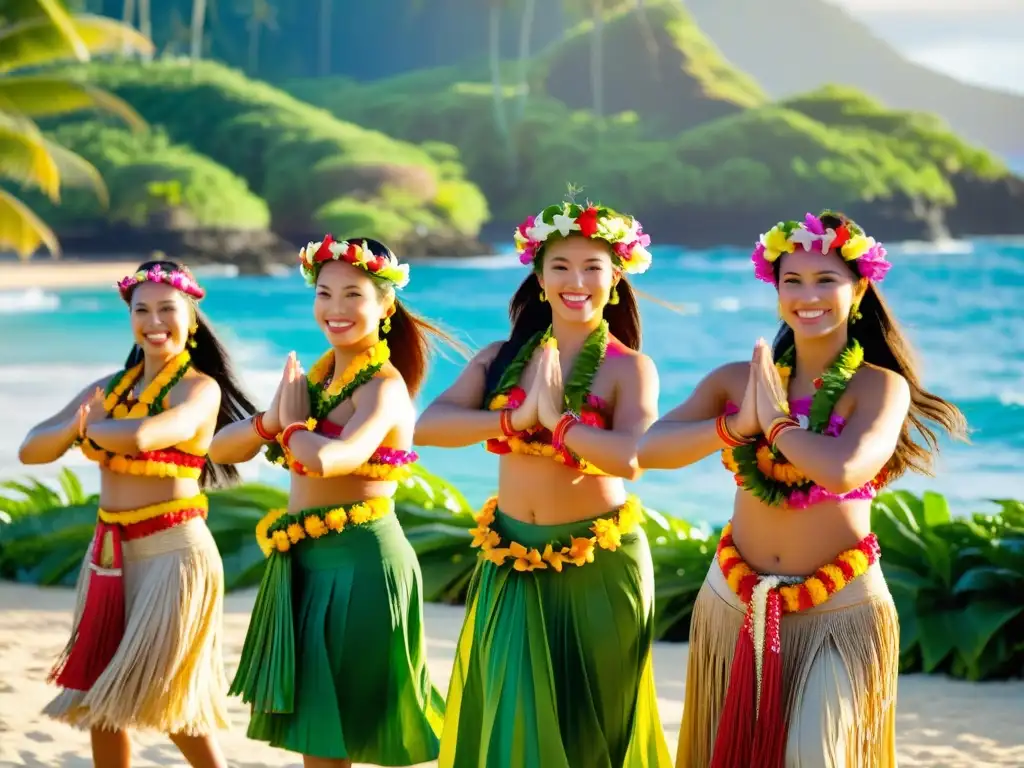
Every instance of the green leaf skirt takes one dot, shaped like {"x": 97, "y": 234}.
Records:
{"x": 334, "y": 663}
{"x": 554, "y": 669}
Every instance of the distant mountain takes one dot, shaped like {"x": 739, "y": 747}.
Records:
{"x": 793, "y": 46}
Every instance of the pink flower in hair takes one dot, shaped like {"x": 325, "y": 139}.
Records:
{"x": 762, "y": 268}
{"x": 813, "y": 224}
{"x": 873, "y": 265}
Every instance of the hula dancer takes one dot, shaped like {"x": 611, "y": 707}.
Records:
{"x": 553, "y": 666}
{"x": 334, "y": 665}
{"x": 794, "y": 643}
{"x": 145, "y": 647}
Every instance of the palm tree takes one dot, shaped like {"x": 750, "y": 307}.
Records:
{"x": 40, "y": 36}
{"x": 525, "y": 40}
{"x": 198, "y": 24}
{"x": 262, "y": 15}
{"x": 324, "y": 63}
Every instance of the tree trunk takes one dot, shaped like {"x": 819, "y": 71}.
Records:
{"x": 325, "y": 37}
{"x": 525, "y": 35}
{"x": 198, "y": 23}
{"x": 597, "y": 58}
{"x": 145, "y": 25}
{"x": 500, "y": 118}
{"x": 255, "y": 28}
{"x": 128, "y": 17}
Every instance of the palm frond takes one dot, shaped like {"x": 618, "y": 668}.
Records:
{"x": 21, "y": 230}
{"x": 38, "y": 41}
{"x": 47, "y": 95}
{"x": 24, "y": 156}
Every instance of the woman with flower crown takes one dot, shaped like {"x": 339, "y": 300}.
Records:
{"x": 553, "y": 666}
{"x": 145, "y": 647}
{"x": 794, "y": 643}
{"x": 334, "y": 664}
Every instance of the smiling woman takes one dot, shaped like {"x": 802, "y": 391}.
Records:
{"x": 151, "y": 589}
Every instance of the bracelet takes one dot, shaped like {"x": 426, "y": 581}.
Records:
{"x": 261, "y": 431}
{"x": 778, "y": 427}
{"x": 505, "y": 420}
{"x": 567, "y": 421}
{"x": 291, "y": 429}
{"x": 725, "y": 434}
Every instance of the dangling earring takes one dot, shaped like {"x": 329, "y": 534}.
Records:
{"x": 385, "y": 327}
{"x": 543, "y": 296}
{"x": 855, "y": 314}
{"x": 614, "y": 298}
{"x": 192, "y": 336}
{"x": 778, "y": 308}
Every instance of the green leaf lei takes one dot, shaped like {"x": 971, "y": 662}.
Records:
{"x": 584, "y": 368}
{"x": 833, "y": 384}
{"x": 321, "y": 404}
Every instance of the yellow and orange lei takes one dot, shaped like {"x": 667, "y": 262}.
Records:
{"x": 608, "y": 533}
{"x": 278, "y": 530}
{"x": 378, "y": 354}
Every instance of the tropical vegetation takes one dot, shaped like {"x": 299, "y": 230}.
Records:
{"x": 957, "y": 580}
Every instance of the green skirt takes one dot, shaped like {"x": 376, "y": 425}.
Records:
{"x": 553, "y": 669}
{"x": 360, "y": 688}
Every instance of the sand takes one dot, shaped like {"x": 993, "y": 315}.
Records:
{"x": 942, "y": 723}
{"x": 44, "y": 272}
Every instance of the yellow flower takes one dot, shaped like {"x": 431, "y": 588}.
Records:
{"x": 485, "y": 516}
{"x": 481, "y": 534}
{"x": 498, "y": 403}
{"x": 856, "y": 247}
{"x": 310, "y": 424}
{"x": 581, "y": 550}
{"x": 607, "y": 533}
{"x": 526, "y": 559}
{"x": 314, "y": 526}
{"x": 497, "y": 555}
{"x": 295, "y": 533}
{"x": 555, "y": 559}
{"x": 776, "y": 243}
{"x": 280, "y": 540}
{"x": 336, "y": 519}
{"x": 359, "y": 514}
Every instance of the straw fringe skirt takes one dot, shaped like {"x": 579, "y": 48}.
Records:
{"x": 840, "y": 666}
{"x": 554, "y": 670}
{"x": 168, "y": 672}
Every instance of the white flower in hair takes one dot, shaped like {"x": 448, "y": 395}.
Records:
{"x": 564, "y": 224}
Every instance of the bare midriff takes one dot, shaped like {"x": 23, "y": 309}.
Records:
{"x": 311, "y": 492}
{"x": 535, "y": 489}
{"x": 787, "y": 542}
{"x": 121, "y": 493}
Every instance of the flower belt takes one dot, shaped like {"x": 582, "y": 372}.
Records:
{"x": 170, "y": 462}
{"x": 752, "y": 729}
{"x": 608, "y": 532}
{"x": 279, "y": 529}
{"x": 102, "y": 622}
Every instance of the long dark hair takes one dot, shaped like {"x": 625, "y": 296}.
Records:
{"x": 529, "y": 315}
{"x": 211, "y": 358}
{"x": 885, "y": 346}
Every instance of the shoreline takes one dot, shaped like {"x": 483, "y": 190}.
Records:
{"x": 63, "y": 273}
{"x": 939, "y": 722}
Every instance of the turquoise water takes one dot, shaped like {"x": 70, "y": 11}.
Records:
{"x": 961, "y": 305}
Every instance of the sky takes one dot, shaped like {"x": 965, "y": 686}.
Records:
{"x": 979, "y": 41}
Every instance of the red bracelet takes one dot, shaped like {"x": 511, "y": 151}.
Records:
{"x": 780, "y": 426}
{"x": 290, "y": 430}
{"x": 505, "y": 419}
{"x": 261, "y": 431}
{"x": 563, "y": 426}
{"x": 726, "y": 436}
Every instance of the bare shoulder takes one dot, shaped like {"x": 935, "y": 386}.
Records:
{"x": 387, "y": 386}
{"x": 629, "y": 364}
{"x": 194, "y": 384}
{"x": 487, "y": 354}
{"x": 881, "y": 388}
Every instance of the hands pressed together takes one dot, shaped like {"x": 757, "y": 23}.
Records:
{"x": 764, "y": 400}
{"x": 545, "y": 394}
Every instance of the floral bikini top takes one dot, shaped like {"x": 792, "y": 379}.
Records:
{"x": 385, "y": 463}
{"x": 767, "y": 474}
{"x": 185, "y": 460}
{"x": 592, "y": 410}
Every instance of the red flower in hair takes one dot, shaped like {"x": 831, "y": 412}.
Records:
{"x": 323, "y": 253}
{"x": 588, "y": 222}
{"x": 842, "y": 235}
{"x": 351, "y": 254}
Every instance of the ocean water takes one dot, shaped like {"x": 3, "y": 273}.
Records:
{"x": 962, "y": 305}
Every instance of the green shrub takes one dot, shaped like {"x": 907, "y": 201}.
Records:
{"x": 147, "y": 174}
{"x": 287, "y": 151}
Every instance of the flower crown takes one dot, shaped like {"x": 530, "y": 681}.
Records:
{"x": 810, "y": 234}
{"x": 622, "y": 232}
{"x": 181, "y": 279}
{"x": 357, "y": 253}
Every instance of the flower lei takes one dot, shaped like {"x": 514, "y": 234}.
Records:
{"x": 608, "y": 533}
{"x": 358, "y": 254}
{"x": 324, "y": 399}
{"x": 763, "y": 470}
{"x": 279, "y": 531}
{"x": 848, "y": 239}
{"x": 623, "y": 233}
{"x": 151, "y": 401}
{"x": 181, "y": 279}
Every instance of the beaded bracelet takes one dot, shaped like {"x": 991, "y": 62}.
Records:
{"x": 726, "y": 435}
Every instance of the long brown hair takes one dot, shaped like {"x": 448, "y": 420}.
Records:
{"x": 530, "y": 315}
{"x": 885, "y": 346}
{"x": 211, "y": 358}
{"x": 412, "y": 339}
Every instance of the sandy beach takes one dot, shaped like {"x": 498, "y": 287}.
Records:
{"x": 942, "y": 723}
{"x": 45, "y": 272}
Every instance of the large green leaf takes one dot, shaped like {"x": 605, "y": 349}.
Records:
{"x": 991, "y": 580}
{"x": 980, "y": 620}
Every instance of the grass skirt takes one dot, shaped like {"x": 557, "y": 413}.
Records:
{"x": 554, "y": 669}
{"x": 840, "y": 664}
{"x": 361, "y": 685}
{"x": 168, "y": 672}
